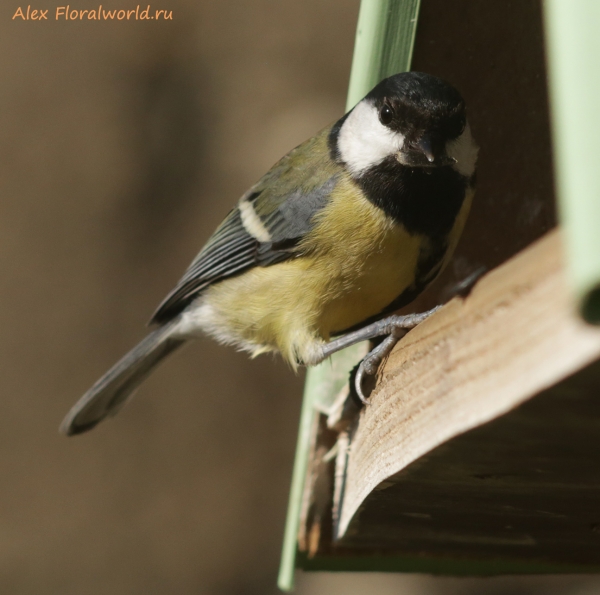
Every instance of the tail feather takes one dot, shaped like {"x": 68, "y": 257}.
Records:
{"x": 115, "y": 388}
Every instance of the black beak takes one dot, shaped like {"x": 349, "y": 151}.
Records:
{"x": 428, "y": 151}
{"x": 426, "y": 147}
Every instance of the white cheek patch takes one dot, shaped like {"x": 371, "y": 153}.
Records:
{"x": 464, "y": 151}
{"x": 364, "y": 141}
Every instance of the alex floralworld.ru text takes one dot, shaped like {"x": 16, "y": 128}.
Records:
{"x": 100, "y": 14}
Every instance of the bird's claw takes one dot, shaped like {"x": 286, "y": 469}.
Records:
{"x": 370, "y": 363}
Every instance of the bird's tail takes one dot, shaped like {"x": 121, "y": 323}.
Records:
{"x": 113, "y": 390}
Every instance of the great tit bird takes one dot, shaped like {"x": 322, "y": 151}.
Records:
{"x": 352, "y": 224}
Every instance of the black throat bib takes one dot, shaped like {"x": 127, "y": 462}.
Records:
{"x": 424, "y": 200}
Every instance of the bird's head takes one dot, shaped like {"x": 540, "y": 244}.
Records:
{"x": 415, "y": 118}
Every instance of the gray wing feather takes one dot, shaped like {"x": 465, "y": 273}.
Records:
{"x": 230, "y": 251}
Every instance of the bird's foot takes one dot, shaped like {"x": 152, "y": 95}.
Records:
{"x": 395, "y": 327}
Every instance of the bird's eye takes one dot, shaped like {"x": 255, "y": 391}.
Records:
{"x": 386, "y": 114}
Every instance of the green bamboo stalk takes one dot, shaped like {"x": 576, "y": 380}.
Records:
{"x": 384, "y": 43}
{"x": 385, "y": 37}
{"x": 573, "y": 53}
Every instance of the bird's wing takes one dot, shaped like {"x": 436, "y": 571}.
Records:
{"x": 266, "y": 225}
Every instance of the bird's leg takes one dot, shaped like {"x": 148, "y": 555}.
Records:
{"x": 395, "y": 327}
{"x": 386, "y": 326}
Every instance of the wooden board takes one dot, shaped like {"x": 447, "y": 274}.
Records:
{"x": 427, "y": 475}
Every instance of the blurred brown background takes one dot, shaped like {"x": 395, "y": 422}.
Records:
{"x": 123, "y": 145}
